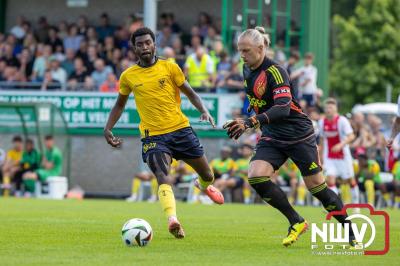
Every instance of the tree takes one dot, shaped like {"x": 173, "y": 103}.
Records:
{"x": 367, "y": 57}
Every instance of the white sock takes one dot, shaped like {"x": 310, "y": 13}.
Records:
{"x": 355, "y": 194}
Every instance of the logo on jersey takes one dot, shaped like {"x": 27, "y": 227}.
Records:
{"x": 313, "y": 166}
{"x": 256, "y": 102}
{"x": 161, "y": 82}
{"x": 149, "y": 146}
{"x": 260, "y": 84}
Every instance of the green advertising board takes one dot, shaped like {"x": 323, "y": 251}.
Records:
{"x": 87, "y": 112}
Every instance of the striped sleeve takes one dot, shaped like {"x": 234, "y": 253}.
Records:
{"x": 279, "y": 82}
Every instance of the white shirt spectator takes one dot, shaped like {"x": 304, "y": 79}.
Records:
{"x": 307, "y": 73}
{"x": 18, "y": 32}
{"x": 99, "y": 77}
{"x": 60, "y": 75}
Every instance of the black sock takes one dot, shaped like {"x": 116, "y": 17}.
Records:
{"x": 331, "y": 202}
{"x": 273, "y": 195}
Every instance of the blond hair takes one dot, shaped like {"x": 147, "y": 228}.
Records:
{"x": 257, "y": 35}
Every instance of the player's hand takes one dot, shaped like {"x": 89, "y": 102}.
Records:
{"x": 235, "y": 128}
{"x": 337, "y": 148}
{"x": 389, "y": 143}
{"x": 113, "y": 141}
{"x": 207, "y": 118}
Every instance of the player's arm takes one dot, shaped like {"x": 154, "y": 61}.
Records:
{"x": 195, "y": 99}
{"x": 114, "y": 116}
{"x": 282, "y": 96}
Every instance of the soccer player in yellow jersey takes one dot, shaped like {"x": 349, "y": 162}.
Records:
{"x": 11, "y": 164}
{"x": 166, "y": 132}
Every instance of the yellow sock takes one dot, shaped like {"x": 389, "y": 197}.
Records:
{"x": 301, "y": 194}
{"x": 397, "y": 199}
{"x": 246, "y": 193}
{"x": 204, "y": 184}
{"x": 135, "y": 185}
{"x": 346, "y": 193}
{"x": 167, "y": 200}
{"x": 369, "y": 188}
{"x": 154, "y": 186}
{"x": 6, "y": 181}
{"x": 386, "y": 197}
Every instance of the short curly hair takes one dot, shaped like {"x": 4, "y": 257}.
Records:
{"x": 141, "y": 32}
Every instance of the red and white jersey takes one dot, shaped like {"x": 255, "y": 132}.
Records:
{"x": 333, "y": 132}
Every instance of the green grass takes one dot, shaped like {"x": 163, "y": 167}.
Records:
{"x": 43, "y": 232}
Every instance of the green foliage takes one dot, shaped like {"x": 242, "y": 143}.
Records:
{"x": 366, "y": 59}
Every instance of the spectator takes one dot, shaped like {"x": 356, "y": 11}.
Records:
{"x": 42, "y": 30}
{"x": 224, "y": 169}
{"x": 11, "y": 164}
{"x": 105, "y": 29}
{"x": 122, "y": 66}
{"x": 211, "y": 38}
{"x": 18, "y": 30}
{"x": 294, "y": 58}
{"x": 73, "y": 40}
{"x": 30, "y": 42}
{"x": 111, "y": 84}
{"x": 58, "y": 74}
{"x": 165, "y": 37}
{"x": 92, "y": 56}
{"x": 91, "y": 36}
{"x": 204, "y": 24}
{"x": 53, "y": 40}
{"x": 26, "y": 63}
{"x": 62, "y": 30}
{"x": 233, "y": 82}
{"x": 100, "y": 74}
{"x": 30, "y": 161}
{"x": 41, "y": 62}
{"x": 68, "y": 63}
{"x": 78, "y": 75}
{"x": 49, "y": 83}
{"x": 82, "y": 25}
{"x": 52, "y": 163}
{"x": 364, "y": 138}
{"x": 8, "y": 55}
{"x": 169, "y": 54}
{"x": 307, "y": 76}
{"x": 199, "y": 69}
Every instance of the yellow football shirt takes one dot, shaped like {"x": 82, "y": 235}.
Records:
{"x": 157, "y": 96}
{"x": 14, "y": 156}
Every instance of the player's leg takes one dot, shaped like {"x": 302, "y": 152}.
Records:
{"x": 160, "y": 163}
{"x": 206, "y": 178}
{"x": 136, "y": 182}
{"x": 259, "y": 178}
{"x": 305, "y": 156}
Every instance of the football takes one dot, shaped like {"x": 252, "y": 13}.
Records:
{"x": 137, "y": 232}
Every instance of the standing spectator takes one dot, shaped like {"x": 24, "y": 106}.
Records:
{"x": 111, "y": 84}
{"x": 73, "y": 40}
{"x": 105, "y": 29}
{"x": 199, "y": 69}
{"x": 294, "y": 58}
{"x": 41, "y": 62}
{"x": 307, "y": 79}
{"x": 100, "y": 74}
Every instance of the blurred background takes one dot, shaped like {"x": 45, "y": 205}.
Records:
{"x": 60, "y": 62}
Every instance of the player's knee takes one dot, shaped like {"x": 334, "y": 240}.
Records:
{"x": 207, "y": 176}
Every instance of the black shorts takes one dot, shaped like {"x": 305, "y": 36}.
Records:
{"x": 303, "y": 153}
{"x": 180, "y": 144}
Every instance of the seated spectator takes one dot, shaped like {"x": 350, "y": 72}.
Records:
{"x": 111, "y": 84}
{"x": 49, "y": 83}
{"x": 91, "y": 36}
{"x": 51, "y": 165}
{"x": 224, "y": 169}
{"x": 68, "y": 63}
{"x": 11, "y": 164}
{"x": 7, "y": 54}
{"x": 92, "y": 56}
{"x": 58, "y": 74}
{"x": 73, "y": 40}
{"x": 199, "y": 69}
{"x": 82, "y": 25}
{"x": 41, "y": 62}
{"x": 122, "y": 66}
{"x": 165, "y": 37}
{"x": 233, "y": 82}
{"x": 211, "y": 38}
{"x": 79, "y": 74}
{"x": 26, "y": 63}
{"x": 53, "y": 39}
{"x": 30, "y": 161}
{"x": 364, "y": 138}
{"x": 105, "y": 29}
{"x": 100, "y": 74}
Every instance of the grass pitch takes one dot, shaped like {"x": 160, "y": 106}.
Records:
{"x": 44, "y": 232}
